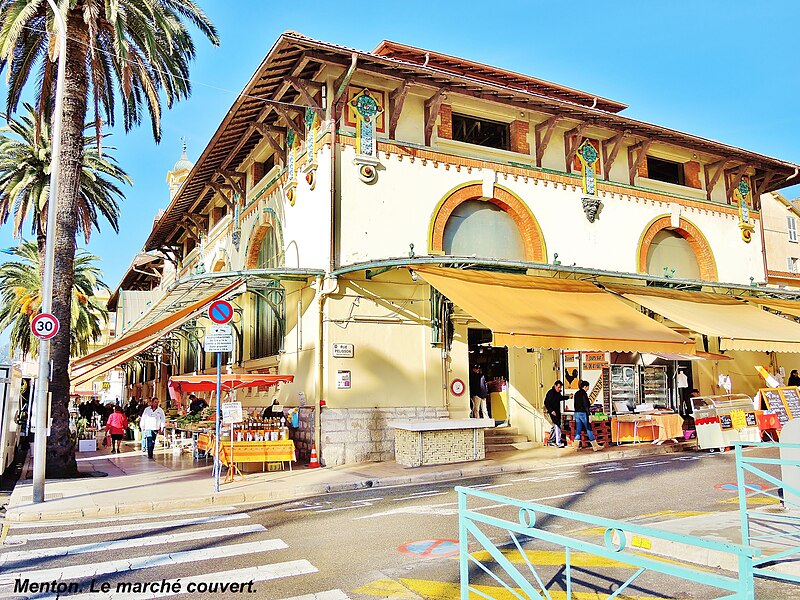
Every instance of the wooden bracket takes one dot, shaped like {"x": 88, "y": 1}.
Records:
{"x": 266, "y": 132}
{"x": 341, "y": 83}
{"x": 762, "y": 187}
{"x": 396, "y": 100}
{"x": 233, "y": 180}
{"x": 223, "y": 193}
{"x": 190, "y": 228}
{"x": 432, "y": 106}
{"x": 199, "y": 222}
{"x": 611, "y": 148}
{"x": 712, "y": 172}
{"x": 730, "y": 184}
{"x": 572, "y": 140}
{"x": 303, "y": 87}
{"x": 634, "y": 163}
{"x": 290, "y": 122}
{"x": 543, "y": 132}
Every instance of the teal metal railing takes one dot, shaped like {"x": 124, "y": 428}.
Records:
{"x": 618, "y": 545}
{"x": 781, "y": 531}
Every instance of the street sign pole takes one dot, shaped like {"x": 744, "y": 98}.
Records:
{"x": 217, "y": 462}
{"x": 42, "y": 382}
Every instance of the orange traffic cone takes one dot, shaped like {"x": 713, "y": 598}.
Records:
{"x": 314, "y": 463}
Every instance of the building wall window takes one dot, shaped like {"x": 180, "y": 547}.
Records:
{"x": 792, "y": 264}
{"x": 478, "y": 228}
{"x": 266, "y": 324}
{"x": 792, "y": 224}
{"x": 481, "y": 132}
{"x": 665, "y": 170}
{"x": 668, "y": 252}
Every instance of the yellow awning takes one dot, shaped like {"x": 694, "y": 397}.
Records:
{"x": 739, "y": 326}
{"x": 114, "y": 361}
{"x": 540, "y": 312}
{"x": 787, "y": 307}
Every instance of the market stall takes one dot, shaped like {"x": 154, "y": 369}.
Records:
{"x": 722, "y": 420}
{"x": 248, "y": 439}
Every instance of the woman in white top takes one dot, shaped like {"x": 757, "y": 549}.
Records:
{"x": 152, "y": 423}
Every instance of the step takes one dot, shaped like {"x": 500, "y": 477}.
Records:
{"x": 501, "y": 431}
{"x": 505, "y": 439}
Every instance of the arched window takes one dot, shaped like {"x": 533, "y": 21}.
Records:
{"x": 671, "y": 251}
{"x": 267, "y": 334}
{"x": 483, "y": 229}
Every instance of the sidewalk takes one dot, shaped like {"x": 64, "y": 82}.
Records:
{"x": 135, "y": 484}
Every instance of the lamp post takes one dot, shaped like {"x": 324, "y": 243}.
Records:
{"x": 42, "y": 383}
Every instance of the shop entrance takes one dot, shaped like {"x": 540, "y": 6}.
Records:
{"x": 493, "y": 362}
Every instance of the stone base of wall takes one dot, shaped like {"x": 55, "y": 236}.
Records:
{"x": 303, "y": 436}
{"x": 418, "y": 448}
{"x": 352, "y": 435}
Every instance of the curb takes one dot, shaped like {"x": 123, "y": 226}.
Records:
{"x": 466, "y": 471}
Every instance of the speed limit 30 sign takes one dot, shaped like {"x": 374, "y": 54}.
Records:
{"x": 45, "y": 326}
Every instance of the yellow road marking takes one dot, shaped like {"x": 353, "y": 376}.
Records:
{"x": 4, "y": 533}
{"x": 443, "y": 590}
{"x": 752, "y": 501}
{"x": 387, "y": 588}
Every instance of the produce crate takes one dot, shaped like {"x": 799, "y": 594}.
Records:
{"x": 601, "y": 430}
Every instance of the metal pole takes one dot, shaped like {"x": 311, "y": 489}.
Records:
{"x": 217, "y": 462}
{"x": 42, "y": 383}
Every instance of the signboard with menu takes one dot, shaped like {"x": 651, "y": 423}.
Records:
{"x": 784, "y": 402}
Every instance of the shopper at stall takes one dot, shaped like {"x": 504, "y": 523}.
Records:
{"x": 582, "y": 404}
{"x": 479, "y": 392}
{"x": 196, "y": 405}
{"x": 275, "y": 411}
{"x": 152, "y": 423}
{"x": 116, "y": 424}
{"x": 794, "y": 379}
{"x": 552, "y": 404}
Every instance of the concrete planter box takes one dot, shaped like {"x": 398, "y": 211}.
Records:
{"x": 87, "y": 445}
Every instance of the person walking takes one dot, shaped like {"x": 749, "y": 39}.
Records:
{"x": 478, "y": 391}
{"x": 582, "y": 404}
{"x": 116, "y": 424}
{"x": 552, "y": 404}
{"x": 152, "y": 423}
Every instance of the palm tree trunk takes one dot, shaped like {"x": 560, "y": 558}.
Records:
{"x": 60, "y": 447}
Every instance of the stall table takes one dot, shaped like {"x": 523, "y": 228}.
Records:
{"x": 646, "y": 427}
{"x": 279, "y": 451}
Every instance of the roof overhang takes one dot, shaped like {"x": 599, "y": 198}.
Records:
{"x": 301, "y": 58}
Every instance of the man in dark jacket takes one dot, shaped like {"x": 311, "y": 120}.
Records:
{"x": 552, "y": 404}
{"x": 478, "y": 391}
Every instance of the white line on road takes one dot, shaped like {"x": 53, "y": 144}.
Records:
{"x": 567, "y": 475}
{"x": 430, "y": 510}
{"x": 86, "y": 571}
{"x": 331, "y": 595}
{"x": 488, "y": 486}
{"x": 488, "y": 506}
{"x": 155, "y": 524}
{"x": 154, "y": 540}
{"x": 420, "y": 496}
{"x": 178, "y": 513}
{"x": 607, "y": 470}
{"x": 241, "y": 576}
{"x": 650, "y": 463}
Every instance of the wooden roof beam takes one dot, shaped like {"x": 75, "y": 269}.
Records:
{"x": 543, "y": 132}
{"x": 573, "y": 139}
{"x": 266, "y": 132}
{"x": 611, "y": 148}
{"x": 712, "y": 172}
{"x": 730, "y": 184}
{"x": 636, "y": 155}
{"x": 396, "y": 100}
{"x": 222, "y": 191}
{"x": 432, "y": 106}
{"x": 303, "y": 88}
{"x": 762, "y": 187}
{"x": 232, "y": 181}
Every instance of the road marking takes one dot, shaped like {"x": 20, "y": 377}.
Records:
{"x": 430, "y": 510}
{"x": 567, "y": 475}
{"x": 650, "y": 463}
{"x": 488, "y": 506}
{"x": 179, "y": 513}
{"x": 685, "y": 458}
{"x": 307, "y": 506}
{"x": 254, "y": 574}
{"x": 488, "y": 486}
{"x": 755, "y": 500}
{"x": 437, "y": 590}
{"x": 330, "y": 595}
{"x": 607, "y": 470}
{"x": 419, "y": 496}
{"x": 145, "y": 562}
{"x": 156, "y": 524}
{"x": 155, "y": 540}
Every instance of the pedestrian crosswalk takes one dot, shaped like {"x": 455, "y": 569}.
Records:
{"x": 155, "y": 556}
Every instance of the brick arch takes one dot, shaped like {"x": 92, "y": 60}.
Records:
{"x": 688, "y": 231}
{"x": 268, "y": 221}
{"x": 535, "y": 249}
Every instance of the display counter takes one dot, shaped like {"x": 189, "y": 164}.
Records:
{"x": 722, "y": 420}
{"x": 440, "y": 441}
{"x": 650, "y": 427}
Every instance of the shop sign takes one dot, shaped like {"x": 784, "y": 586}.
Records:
{"x": 232, "y": 412}
{"x": 738, "y": 419}
{"x": 343, "y": 380}
{"x": 594, "y": 361}
{"x": 343, "y": 350}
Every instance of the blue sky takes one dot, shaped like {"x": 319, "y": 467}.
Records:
{"x": 723, "y": 70}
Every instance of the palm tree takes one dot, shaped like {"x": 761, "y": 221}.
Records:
{"x": 25, "y": 179}
{"x": 20, "y": 299}
{"x": 135, "y": 50}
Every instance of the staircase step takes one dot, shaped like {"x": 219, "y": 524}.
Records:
{"x": 505, "y": 439}
{"x": 501, "y": 431}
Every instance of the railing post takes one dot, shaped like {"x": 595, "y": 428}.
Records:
{"x": 463, "y": 545}
{"x": 740, "y": 484}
